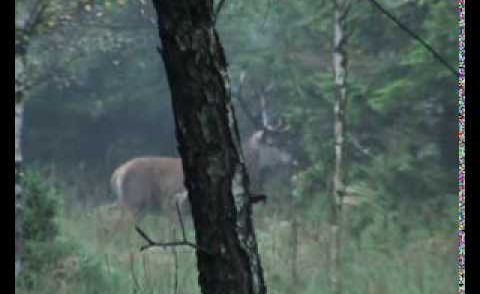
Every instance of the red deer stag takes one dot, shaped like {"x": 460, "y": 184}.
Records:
{"x": 156, "y": 183}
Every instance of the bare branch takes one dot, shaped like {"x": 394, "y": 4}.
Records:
{"x": 183, "y": 242}
{"x": 180, "y": 220}
{"x": 144, "y": 236}
{"x": 255, "y": 198}
{"x": 151, "y": 243}
{"x": 35, "y": 15}
{"x": 404, "y": 28}
{"x": 218, "y": 9}
{"x": 356, "y": 143}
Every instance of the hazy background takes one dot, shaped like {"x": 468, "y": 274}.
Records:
{"x": 99, "y": 97}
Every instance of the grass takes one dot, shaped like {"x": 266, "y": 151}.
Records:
{"x": 90, "y": 256}
{"x": 409, "y": 269}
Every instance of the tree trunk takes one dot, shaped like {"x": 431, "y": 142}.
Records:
{"x": 24, "y": 28}
{"x": 27, "y": 22}
{"x": 19, "y": 201}
{"x": 207, "y": 134}
{"x": 340, "y": 74}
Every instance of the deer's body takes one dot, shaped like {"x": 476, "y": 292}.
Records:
{"x": 147, "y": 183}
{"x": 156, "y": 183}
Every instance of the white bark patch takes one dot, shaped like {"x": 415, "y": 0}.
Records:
{"x": 238, "y": 191}
{"x": 226, "y": 80}
{"x": 230, "y": 116}
{"x": 246, "y": 238}
{"x": 231, "y": 125}
{"x": 211, "y": 38}
{"x": 18, "y": 188}
{"x": 19, "y": 74}
{"x": 19, "y": 106}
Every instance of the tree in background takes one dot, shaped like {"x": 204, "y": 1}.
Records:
{"x": 340, "y": 71}
{"x": 35, "y": 19}
{"x": 27, "y": 24}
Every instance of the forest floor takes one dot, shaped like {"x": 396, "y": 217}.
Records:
{"x": 292, "y": 262}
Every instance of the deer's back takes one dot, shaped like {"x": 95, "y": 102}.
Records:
{"x": 148, "y": 182}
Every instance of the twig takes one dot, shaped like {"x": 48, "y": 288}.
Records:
{"x": 254, "y": 198}
{"x": 356, "y": 143}
{"x": 183, "y": 242}
{"x": 35, "y": 16}
{"x": 180, "y": 220}
{"x": 218, "y": 9}
{"x": 151, "y": 243}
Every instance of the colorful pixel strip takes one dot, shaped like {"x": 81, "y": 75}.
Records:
{"x": 461, "y": 153}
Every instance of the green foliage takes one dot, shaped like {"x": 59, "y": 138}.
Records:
{"x": 105, "y": 99}
{"x": 49, "y": 260}
{"x": 41, "y": 206}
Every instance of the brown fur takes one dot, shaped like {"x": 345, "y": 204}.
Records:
{"x": 156, "y": 183}
{"x": 148, "y": 183}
